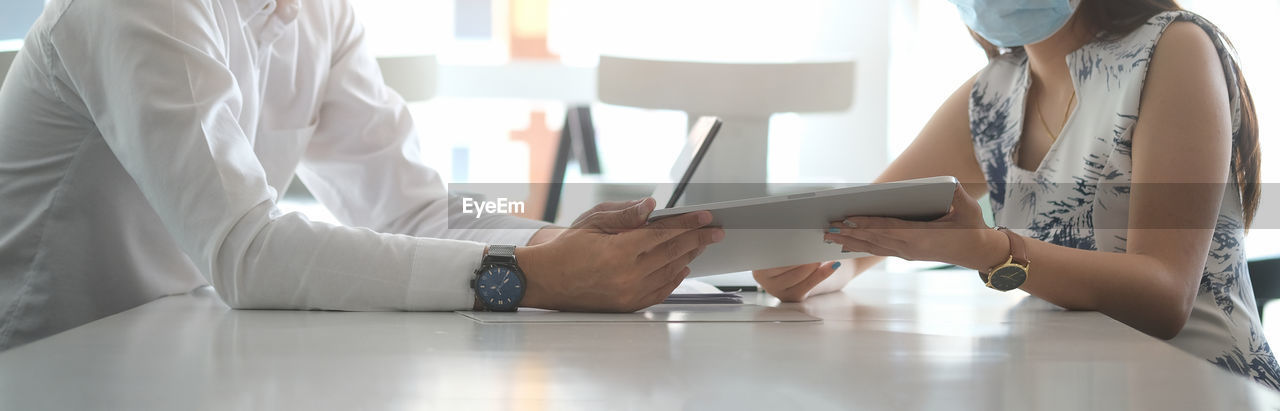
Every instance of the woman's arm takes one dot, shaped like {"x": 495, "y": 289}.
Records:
{"x": 1181, "y": 158}
{"x": 1181, "y": 149}
{"x": 943, "y": 148}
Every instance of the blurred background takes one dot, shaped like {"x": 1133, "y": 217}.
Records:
{"x": 507, "y": 71}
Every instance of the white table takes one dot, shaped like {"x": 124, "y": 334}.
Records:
{"x": 931, "y": 340}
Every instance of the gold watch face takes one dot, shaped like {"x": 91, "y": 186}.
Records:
{"x": 1008, "y": 277}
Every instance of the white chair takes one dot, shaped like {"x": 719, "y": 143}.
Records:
{"x": 413, "y": 77}
{"x": 743, "y": 95}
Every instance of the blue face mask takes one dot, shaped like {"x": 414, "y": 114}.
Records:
{"x": 1012, "y": 23}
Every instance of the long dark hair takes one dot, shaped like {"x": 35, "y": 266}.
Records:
{"x": 1114, "y": 18}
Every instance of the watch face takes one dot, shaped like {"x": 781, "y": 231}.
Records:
{"x": 500, "y": 288}
{"x": 1008, "y": 277}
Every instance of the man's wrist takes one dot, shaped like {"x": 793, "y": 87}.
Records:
{"x": 531, "y": 264}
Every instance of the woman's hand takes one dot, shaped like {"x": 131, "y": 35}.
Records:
{"x": 961, "y": 237}
{"x": 792, "y": 284}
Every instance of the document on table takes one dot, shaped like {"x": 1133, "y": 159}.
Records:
{"x": 692, "y": 291}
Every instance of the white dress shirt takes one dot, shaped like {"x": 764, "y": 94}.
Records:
{"x": 144, "y": 145}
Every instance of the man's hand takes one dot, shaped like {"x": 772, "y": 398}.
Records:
{"x": 611, "y": 260}
{"x": 548, "y": 233}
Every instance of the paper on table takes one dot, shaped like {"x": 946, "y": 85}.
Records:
{"x": 717, "y": 298}
{"x": 692, "y": 286}
{"x": 692, "y": 291}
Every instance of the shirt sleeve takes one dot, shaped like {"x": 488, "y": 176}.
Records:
{"x": 153, "y": 77}
{"x": 364, "y": 162}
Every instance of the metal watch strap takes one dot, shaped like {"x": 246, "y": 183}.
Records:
{"x": 500, "y": 254}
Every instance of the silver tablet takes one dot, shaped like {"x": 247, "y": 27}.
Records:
{"x": 783, "y": 230}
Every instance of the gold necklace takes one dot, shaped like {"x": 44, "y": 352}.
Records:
{"x": 1065, "y": 114}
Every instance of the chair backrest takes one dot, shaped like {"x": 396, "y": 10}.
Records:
{"x": 726, "y": 89}
{"x": 6, "y": 60}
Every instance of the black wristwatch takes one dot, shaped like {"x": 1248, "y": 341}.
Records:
{"x": 499, "y": 284}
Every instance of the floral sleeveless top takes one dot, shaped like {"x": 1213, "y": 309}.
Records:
{"x": 1079, "y": 196}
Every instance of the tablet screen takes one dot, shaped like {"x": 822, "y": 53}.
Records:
{"x": 695, "y": 148}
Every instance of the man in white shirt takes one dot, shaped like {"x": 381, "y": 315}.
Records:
{"x": 144, "y": 145}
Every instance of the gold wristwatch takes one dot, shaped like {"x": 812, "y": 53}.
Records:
{"x": 1013, "y": 272}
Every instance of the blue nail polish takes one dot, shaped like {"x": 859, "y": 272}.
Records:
{"x": 835, "y": 266}
{"x": 833, "y": 230}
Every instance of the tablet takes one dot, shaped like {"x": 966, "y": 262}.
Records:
{"x": 784, "y": 230}
{"x": 696, "y": 145}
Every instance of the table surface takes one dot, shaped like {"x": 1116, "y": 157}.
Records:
{"x": 928, "y": 340}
